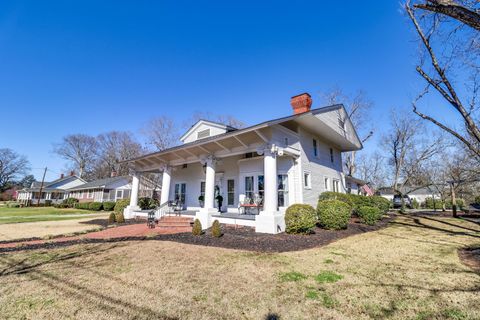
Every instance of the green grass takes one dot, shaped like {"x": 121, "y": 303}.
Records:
{"x": 328, "y": 277}
{"x": 292, "y": 276}
{"x": 35, "y": 214}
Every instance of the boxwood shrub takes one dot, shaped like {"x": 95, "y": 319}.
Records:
{"x": 95, "y": 206}
{"x": 369, "y": 215}
{"x": 300, "y": 218}
{"x": 70, "y": 202}
{"x": 355, "y": 201}
{"x": 333, "y": 214}
{"x": 146, "y": 203}
{"x": 121, "y": 204}
{"x": 108, "y": 205}
{"x": 82, "y": 205}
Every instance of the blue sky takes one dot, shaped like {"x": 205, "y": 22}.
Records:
{"x": 94, "y": 66}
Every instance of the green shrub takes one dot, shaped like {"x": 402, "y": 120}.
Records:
{"x": 415, "y": 204}
{"x": 197, "y": 228}
{"x": 121, "y": 204}
{"x": 108, "y": 205}
{"x": 95, "y": 206}
{"x": 62, "y": 205}
{"x": 356, "y": 201}
{"x": 216, "y": 230}
{"x": 477, "y": 200}
{"x": 111, "y": 218}
{"x": 369, "y": 215}
{"x": 300, "y": 218}
{"x": 13, "y": 205}
{"x": 437, "y": 204}
{"x": 48, "y": 203}
{"x": 82, "y": 205}
{"x": 119, "y": 218}
{"x": 380, "y": 203}
{"x": 146, "y": 203}
{"x": 333, "y": 214}
{"x": 70, "y": 202}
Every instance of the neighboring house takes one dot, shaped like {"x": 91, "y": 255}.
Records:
{"x": 54, "y": 192}
{"x": 357, "y": 186}
{"x": 413, "y": 192}
{"x": 276, "y": 163}
{"x": 109, "y": 189}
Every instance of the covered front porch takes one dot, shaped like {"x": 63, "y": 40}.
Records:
{"x": 256, "y": 180}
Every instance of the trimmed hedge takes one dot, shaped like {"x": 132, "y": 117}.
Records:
{"x": 82, "y": 205}
{"x": 121, "y": 204}
{"x": 70, "y": 202}
{"x": 119, "y": 218}
{"x": 197, "y": 228}
{"x": 369, "y": 215}
{"x": 108, "y": 205}
{"x": 111, "y": 218}
{"x": 428, "y": 204}
{"x": 333, "y": 214}
{"x": 216, "y": 230}
{"x": 355, "y": 201}
{"x": 95, "y": 206}
{"x": 300, "y": 218}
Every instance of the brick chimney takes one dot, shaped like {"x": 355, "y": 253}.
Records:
{"x": 301, "y": 103}
{"x": 113, "y": 174}
{"x": 62, "y": 176}
{"x": 72, "y": 173}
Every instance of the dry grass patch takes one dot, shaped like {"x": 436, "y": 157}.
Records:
{"x": 409, "y": 270}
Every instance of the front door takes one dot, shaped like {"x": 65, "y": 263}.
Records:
{"x": 180, "y": 191}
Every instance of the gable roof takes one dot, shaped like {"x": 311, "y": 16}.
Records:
{"x": 207, "y": 122}
{"x": 356, "y": 145}
{"x": 47, "y": 186}
{"x": 100, "y": 183}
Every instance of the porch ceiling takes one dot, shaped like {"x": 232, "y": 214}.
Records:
{"x": 221, "y": 146}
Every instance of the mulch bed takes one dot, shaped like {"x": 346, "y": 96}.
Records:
{"x": 241, "y": 238}
{"x": 470, "y": 257}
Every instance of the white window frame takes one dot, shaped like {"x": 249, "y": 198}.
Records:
{"x": 335, "y": 185}
{"x": 326, "y": 183}
{"x": 116, "y": 194}
{"x": 307, "y": 180}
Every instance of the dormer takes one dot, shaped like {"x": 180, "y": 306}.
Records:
{"x": 205, "y": 129}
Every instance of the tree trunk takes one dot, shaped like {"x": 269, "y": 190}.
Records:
{"x": 454, "y": 200}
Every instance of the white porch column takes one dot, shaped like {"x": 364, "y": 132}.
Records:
{"x": 209, "y": 184}
{"x": 270, "y": 219}
{"x": 128, "y": 212}
{"x": 270, "y": 200}
{"x": 166, "y": 179}
{"x": 205, "y": 213}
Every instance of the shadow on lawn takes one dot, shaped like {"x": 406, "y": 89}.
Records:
{"x": 417, "y": 223}
{"x": 108, "y": 303}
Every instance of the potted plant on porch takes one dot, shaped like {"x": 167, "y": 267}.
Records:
{"x": 219, "y": 199}
{"x": 201, "y": 200}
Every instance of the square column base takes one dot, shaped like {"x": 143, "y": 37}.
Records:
{"x": 205, "y": 217}
{"x": 128, "y": 212}
{"x": 270, "y": 222}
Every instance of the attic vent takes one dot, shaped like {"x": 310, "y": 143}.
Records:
{"x": 203, "y": 134}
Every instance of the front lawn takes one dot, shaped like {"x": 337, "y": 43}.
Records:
{"x": 33, "y": 214}
{"x": 409, "y": 270}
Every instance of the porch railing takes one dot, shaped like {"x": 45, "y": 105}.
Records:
{"x": 162, "y": 210}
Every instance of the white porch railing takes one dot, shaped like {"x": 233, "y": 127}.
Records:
{"x": 162, "y": 210}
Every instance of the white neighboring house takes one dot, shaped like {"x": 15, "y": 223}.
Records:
{"x": 418, "y": 193}
{"x": 109, "y": 189}
{"x": 278, "y": 163}
{"x": 55, "y": 191}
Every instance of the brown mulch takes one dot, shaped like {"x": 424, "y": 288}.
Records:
{"x": 470, "y": 257}
{"x": 241, "y": 238}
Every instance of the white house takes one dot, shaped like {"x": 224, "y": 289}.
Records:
{"x": 110, "y": 189}
{"x": 53, "y": 192}
{"x": 268, "y": 166}
{"x": 420, "y": 194}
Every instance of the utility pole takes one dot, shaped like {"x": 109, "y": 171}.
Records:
{"x": 41, "y": 187}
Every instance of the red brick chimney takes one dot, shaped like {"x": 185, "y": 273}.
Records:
{"x": 62, "y": 176}
{"x": 72, "y": 173}
{"x": 301, "y": 103}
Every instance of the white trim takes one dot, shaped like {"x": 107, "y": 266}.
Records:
{"x": 307, "y": 183}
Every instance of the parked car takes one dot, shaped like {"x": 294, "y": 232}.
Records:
{"x": 397, "y": 201}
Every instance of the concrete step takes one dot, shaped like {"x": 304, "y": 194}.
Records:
{"x": 175, "y": 219}
{"x": 173, "y": 224}
{"x": 174, "y": 229}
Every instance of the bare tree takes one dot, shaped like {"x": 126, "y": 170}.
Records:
{"x": 409, "y": 151}
{"x": 12, "y": 166}
{"x": 448, "y": 32}
{"x": 79, "y": 150}
{"x": 358, "y": 107}
{"x": 161, "y": 133}
{"x": 114, "y": 147}
{"x": 371, "y": 169}
{"x": 225, "y": 119}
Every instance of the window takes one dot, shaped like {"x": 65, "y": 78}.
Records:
{"x": 261, "y": 186}
{"x": 203, "y": 134}
{"x": 230, "y": 192}
{"x": 90, "y": 194}
{"x": 119, "y": 194}
{"x": 286, "y": 142}
{"x": 331, "y": 155}
{"x": 307, "y": 180}
{"x": 202, "y": 188}
{"x": 326, "y": 184}
{"x": 185, "y": 166}
{"x": 282, "y": 190}
{"x": 315, "y": 148}
{"x": 336, "y": 185}
{"x": 249, "y": 187}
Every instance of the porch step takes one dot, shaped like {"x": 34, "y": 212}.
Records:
{"x": 174, "y": 229}
{"x": 179, "y": 224}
